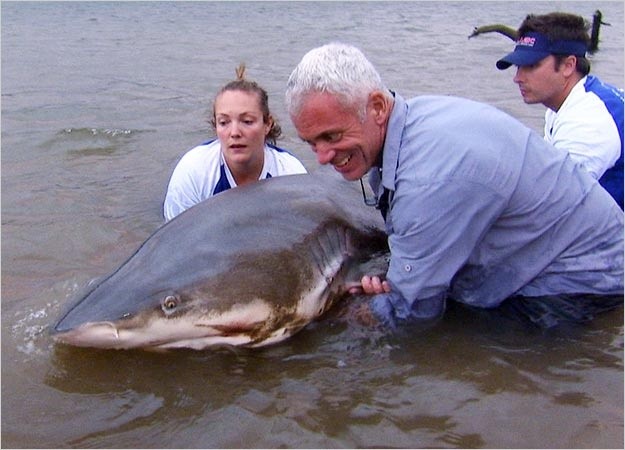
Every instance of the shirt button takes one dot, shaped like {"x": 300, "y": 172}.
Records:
{"x": 407, "y": 267}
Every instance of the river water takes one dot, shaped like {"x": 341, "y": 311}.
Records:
{"x": 100, "y": 99}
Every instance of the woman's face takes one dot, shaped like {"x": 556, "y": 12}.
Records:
{"x": 240, "y": 127}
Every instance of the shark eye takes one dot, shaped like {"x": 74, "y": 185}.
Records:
{"x": 169, "y": 305}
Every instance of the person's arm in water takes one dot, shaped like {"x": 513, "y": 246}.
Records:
{"x": 388, "y": 306}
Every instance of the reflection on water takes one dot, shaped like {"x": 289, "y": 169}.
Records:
{"x": 91, "y": 129}
{"x": 338, "y": 384}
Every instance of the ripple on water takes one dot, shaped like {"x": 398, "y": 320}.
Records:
{"x": 30, "y": 326}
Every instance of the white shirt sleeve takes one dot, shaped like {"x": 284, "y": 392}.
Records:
{"x": 181, "y": 192}
{"x": 584, "y": 128}
{"x": 193, "y": 179}
{"x": 281, "y": 162}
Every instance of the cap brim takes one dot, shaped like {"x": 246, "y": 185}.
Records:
{"x": 521, "y": 58}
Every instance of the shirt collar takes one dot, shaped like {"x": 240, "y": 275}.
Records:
{"x": 392, "y": 141}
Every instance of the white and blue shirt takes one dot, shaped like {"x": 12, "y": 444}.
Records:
{"x": 202, "y": 172}
{"x": 482, "y": 208}
{"x": 589, "y": 125}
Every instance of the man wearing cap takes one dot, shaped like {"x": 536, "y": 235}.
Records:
{"x": 584, "y": 115}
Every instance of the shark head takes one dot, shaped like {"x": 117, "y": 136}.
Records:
{"x": 173, "y": 320}
{"x": 249, "y": 267}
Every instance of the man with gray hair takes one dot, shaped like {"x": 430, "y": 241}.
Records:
{"x": 478, "y": 208}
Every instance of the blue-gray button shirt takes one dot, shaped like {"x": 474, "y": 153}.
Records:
{"x": 482, "y": 208}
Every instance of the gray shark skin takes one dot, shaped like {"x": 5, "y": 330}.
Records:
{"x": 248, "y": 267}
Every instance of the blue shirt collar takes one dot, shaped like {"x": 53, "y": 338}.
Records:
{"x": 392, "y": 141}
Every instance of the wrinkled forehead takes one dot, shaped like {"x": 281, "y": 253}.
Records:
{"x": 321, "y": 112}
{"x": 322, "y": 104}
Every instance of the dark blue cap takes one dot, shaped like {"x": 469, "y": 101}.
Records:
{"x": 533, "y": 47}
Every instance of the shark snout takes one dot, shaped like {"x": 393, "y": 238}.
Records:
{"x": 100, "y": 334}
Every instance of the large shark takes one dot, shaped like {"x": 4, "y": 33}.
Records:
{"x": 248, "y": 267}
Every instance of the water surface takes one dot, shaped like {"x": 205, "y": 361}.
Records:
{"x": 100, "y": 99}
